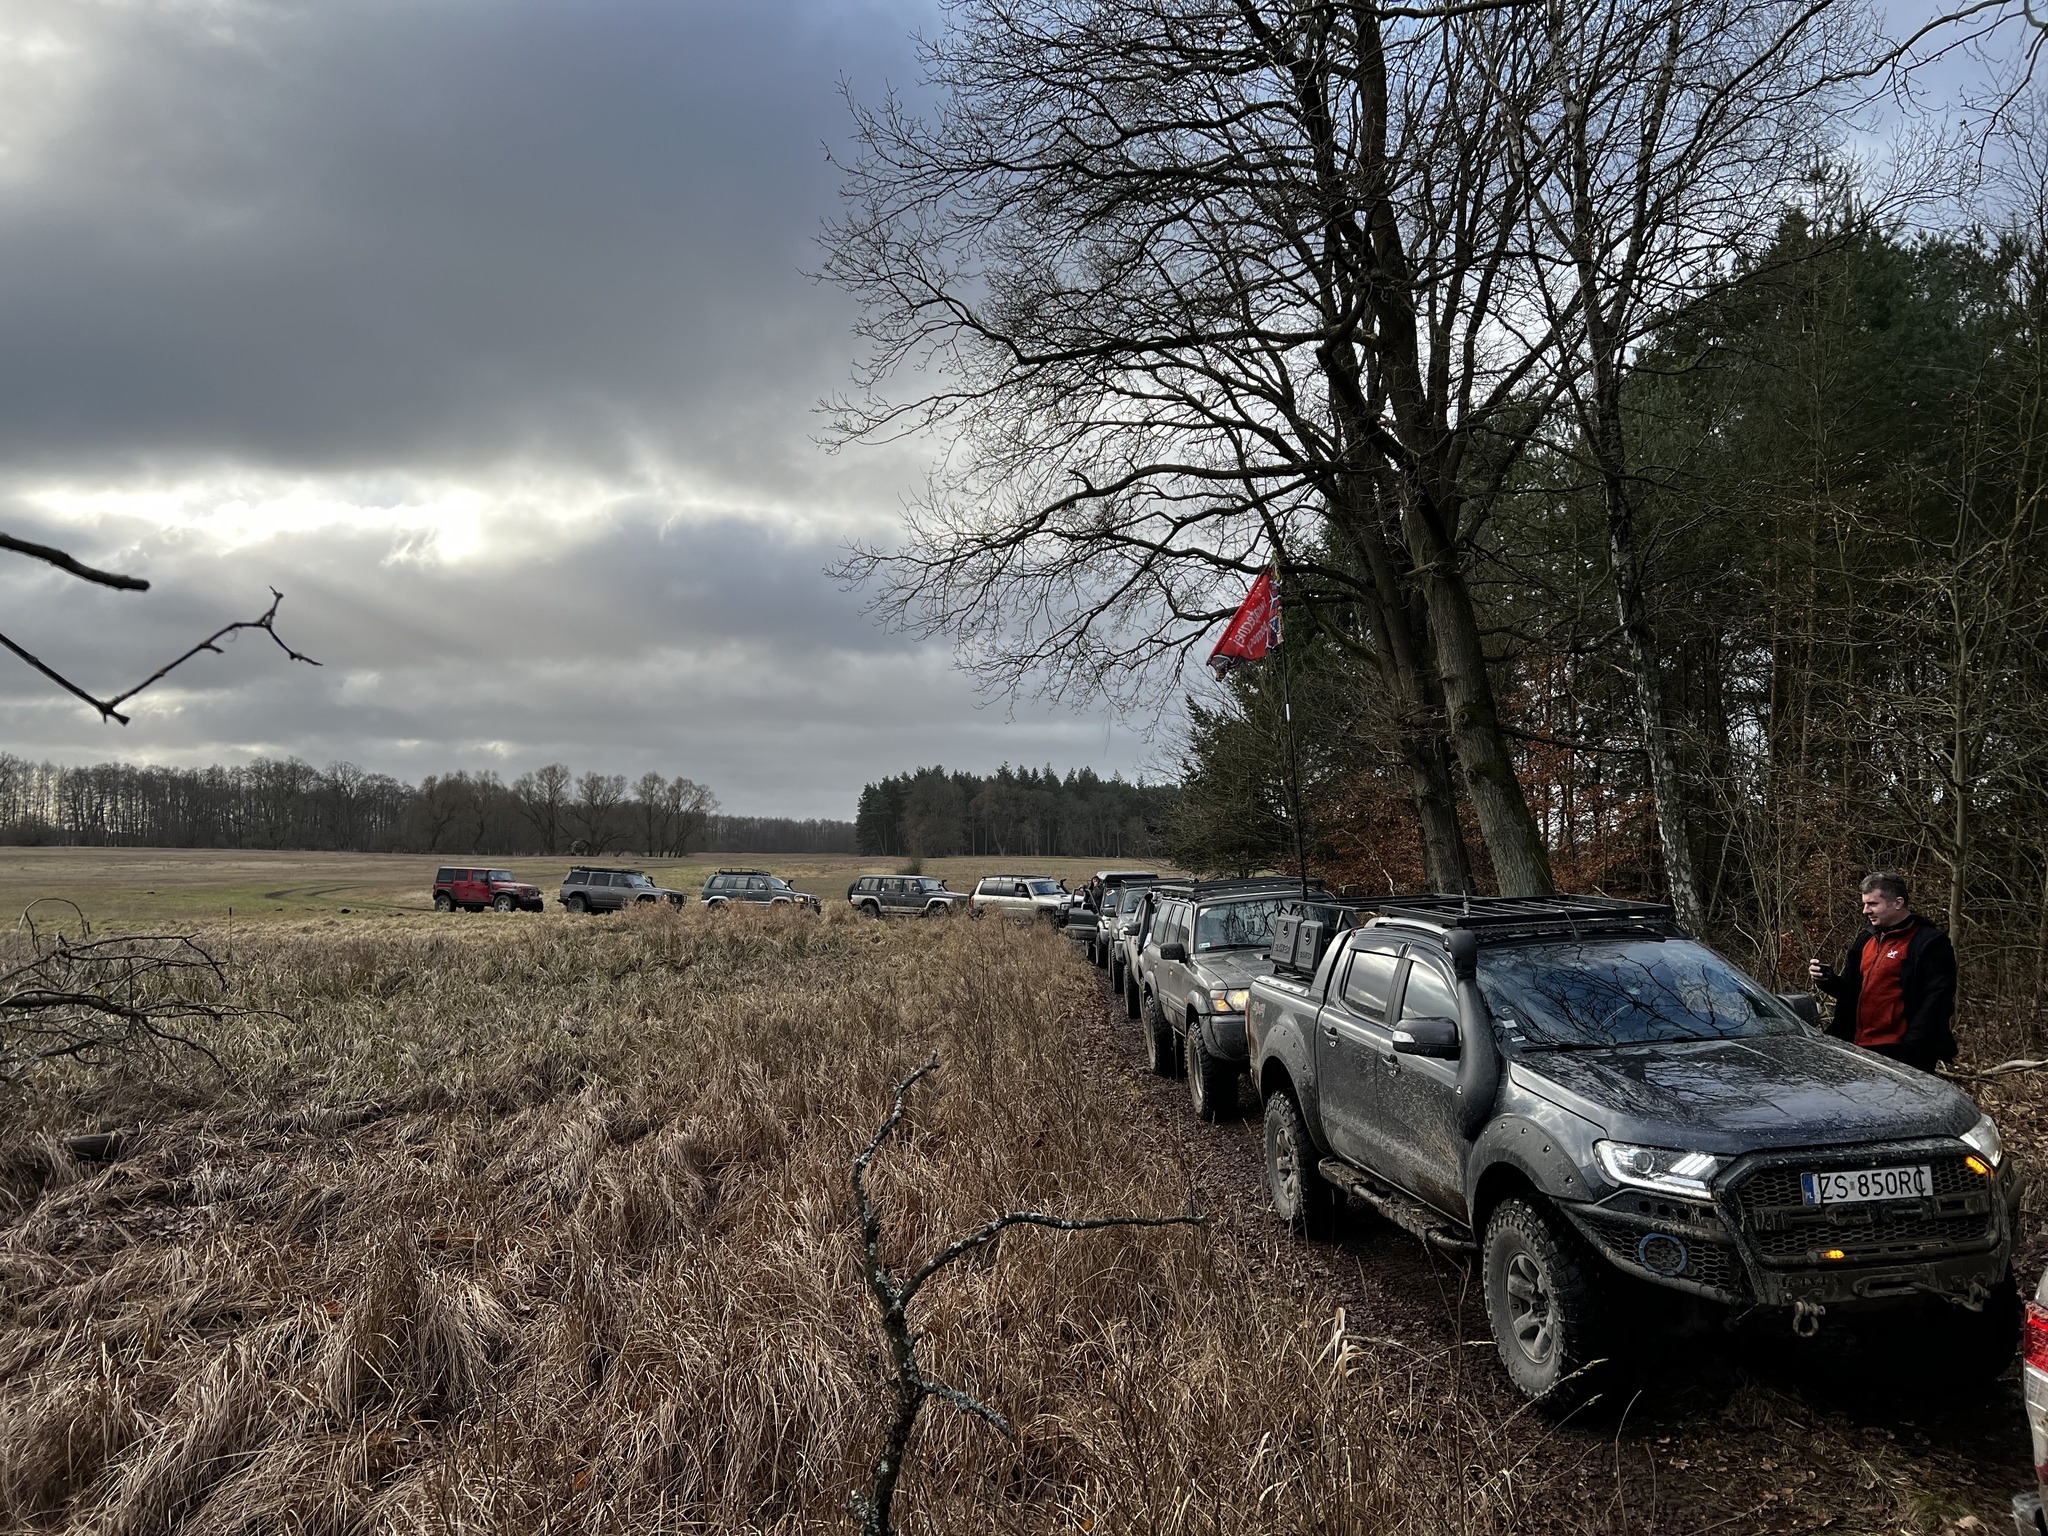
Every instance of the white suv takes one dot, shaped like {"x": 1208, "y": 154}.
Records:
{"x": 1038, "y": 896}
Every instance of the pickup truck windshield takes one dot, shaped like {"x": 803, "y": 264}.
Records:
{"x": 1236, "y": 925}
{"x": 1602, "y": 992}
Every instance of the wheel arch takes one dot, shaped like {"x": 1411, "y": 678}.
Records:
{"x": 1500, "y": 1181}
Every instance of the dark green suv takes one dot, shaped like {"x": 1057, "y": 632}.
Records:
{"x": 754, "y": 888}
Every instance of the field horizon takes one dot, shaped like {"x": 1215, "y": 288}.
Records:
{"x": 119, "y": 888}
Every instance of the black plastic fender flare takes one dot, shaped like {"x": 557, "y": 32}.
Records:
{"x": 1532, "y": 1149}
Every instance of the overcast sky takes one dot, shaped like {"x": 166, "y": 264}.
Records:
{"x": 479, "y": 328}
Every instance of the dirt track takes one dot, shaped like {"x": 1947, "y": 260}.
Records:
{"x": 1750, "y": 1432}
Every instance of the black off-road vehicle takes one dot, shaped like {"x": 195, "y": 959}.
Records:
{"x": 753, "y": 888}
{"x": 1594, "y": 1103}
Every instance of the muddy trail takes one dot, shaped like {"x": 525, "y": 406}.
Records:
{"x": 1746, "y": 1431}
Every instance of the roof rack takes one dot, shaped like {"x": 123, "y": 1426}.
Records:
{"x": 1277, "y": 883}
{"x": 1506, "y": 916}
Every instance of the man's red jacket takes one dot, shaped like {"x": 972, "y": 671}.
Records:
{"x": 1927, "y": 988}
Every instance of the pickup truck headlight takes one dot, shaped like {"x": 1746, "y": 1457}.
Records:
{"x": 1660, "y": 1168}
{"x": 1229, "y": 999}
{"x": 1983, "y": 1138}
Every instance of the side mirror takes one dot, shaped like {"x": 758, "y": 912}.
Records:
{"x": 1174, "y": 952}
{"x": 1805, "y": 1004}
{"x": 1426, "y": 1037}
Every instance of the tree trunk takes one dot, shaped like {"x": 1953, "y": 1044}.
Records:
{"x": 1521, "y": 863}
{"x": 1400, "y": 634}
{"x": 1665, "y": 788}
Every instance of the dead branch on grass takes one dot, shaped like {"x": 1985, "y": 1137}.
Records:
{"x": 97, "y": 1000}
{"x": 2003, "y": 1069}
{"x": 892, "y": 1298}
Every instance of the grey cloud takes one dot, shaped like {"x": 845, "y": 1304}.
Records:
{"x": 369, "y": 244}
{"x": 327, "y": 234}
{"x": 714, "y": 649}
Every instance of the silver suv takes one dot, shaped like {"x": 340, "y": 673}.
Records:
{"x": 1038, "y": 896}
{"x": 606, "y": 890}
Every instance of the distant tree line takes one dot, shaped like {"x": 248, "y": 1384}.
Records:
{"x": 1013, "y": 812}
{"x": 286, "y": 803}
{"x": 777, "y": 834}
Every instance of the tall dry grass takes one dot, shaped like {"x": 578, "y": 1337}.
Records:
{"x": 546, "y": 1226}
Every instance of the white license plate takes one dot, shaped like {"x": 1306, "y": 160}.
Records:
{"x": 1839, "y": 1186}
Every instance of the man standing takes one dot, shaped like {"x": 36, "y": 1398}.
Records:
{"x": 1896, "y": 990}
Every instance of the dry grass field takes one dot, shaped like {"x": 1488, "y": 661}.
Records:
{"x": 131, "y": 887}
{"x": 545, "y": 1225}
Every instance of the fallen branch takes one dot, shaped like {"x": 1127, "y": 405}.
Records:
{"x": 100, "y": 1000}
{"x": 2003, "y": 1069}
{"x": 892, "y": 1298}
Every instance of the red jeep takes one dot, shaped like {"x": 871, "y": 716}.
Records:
{"x": 475, "y": 889}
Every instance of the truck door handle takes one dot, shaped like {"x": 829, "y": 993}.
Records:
{"x": 1330, "y": 1033}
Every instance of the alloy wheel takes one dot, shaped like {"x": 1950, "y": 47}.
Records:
{"x": 1532, "y": 1320}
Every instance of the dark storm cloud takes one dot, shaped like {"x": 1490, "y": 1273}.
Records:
{"x": 436, "y": 234}
{"x": 489, "y": 317}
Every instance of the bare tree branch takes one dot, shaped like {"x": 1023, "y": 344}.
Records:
{"x": 110, "y": 708}
{"x": 892, "y": 1298}
{"x": 77, "y": 568}
{"x": 99, "y": 1001}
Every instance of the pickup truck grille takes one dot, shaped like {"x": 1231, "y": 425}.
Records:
{"x": 1783, "y": 1230}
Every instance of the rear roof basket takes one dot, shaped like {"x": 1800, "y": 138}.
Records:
{"x": 1276, "y": 885}
{"x": 1303, "y": 936}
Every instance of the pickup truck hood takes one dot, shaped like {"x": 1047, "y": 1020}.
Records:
{"x": 1734, "y": 1096}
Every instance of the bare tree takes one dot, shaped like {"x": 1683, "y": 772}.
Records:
{"x": 595, "y": 811}
{"x": 543, "y": 798}
{"x": 1254, "y": 300}
{"x": 687, "y": 808}
{"x": 892, "y": 1296}
{"x": 1668, "y": 135}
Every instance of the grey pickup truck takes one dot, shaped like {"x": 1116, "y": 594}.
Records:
{"x": 1594, "y": 1103}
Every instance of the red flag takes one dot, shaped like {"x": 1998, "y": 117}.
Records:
{"x": 1253, "y": 629}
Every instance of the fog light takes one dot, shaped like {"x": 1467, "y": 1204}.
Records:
{"x": 1834, "y": 1253}
{"x": 1661, "y": 1254}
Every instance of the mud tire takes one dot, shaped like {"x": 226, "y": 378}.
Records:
{"x": 1302, "y": 1198}
{"x": 1160, "y": 1052}
{"x": 443, "y": 902}
{"x": 1212, "y": 1082}
{"x": 1547, "y": 1301}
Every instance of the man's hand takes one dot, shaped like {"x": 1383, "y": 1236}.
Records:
{"x": 1815, "y": 971}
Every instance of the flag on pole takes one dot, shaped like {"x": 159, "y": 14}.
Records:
{"x": 1253, "y": 629}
